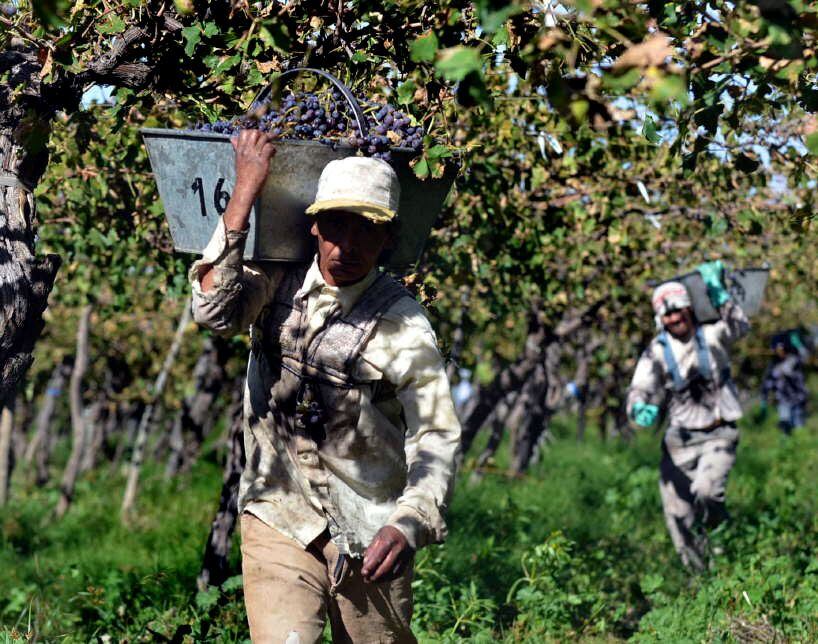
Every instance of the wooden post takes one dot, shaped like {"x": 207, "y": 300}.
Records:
{"x": 77, "y": 421}
{"x": 138, "y": 454}
{"x": 6, "y": 453}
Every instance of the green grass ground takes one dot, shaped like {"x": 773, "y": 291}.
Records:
{"x": 575, "y": 550}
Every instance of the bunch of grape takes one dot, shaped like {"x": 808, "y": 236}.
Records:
{"x": 327, "y": 118}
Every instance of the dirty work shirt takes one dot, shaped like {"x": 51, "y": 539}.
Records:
{"x": 698, "y": 406}
{"x": 402, "y": 350}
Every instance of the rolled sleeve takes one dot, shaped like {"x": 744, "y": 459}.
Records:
{"x": 239, "y": 290}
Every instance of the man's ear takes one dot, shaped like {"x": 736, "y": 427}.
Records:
{"x": 314, "y": 228}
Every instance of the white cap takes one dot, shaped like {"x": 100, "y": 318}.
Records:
{"x": 363, "y": 185}
{"x": 670, "y": 296}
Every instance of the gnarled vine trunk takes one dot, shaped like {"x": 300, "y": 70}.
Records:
{"x": 214, "y": 563}
{"x": 25, "y": 280}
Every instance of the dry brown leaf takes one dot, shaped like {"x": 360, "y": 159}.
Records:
{"x": 266, "y": 68}
{"x": 420, "y": 96}
{"x": 649, "y": 53}
{"x": 48, "y": 65}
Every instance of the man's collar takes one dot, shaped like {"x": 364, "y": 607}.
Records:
{"x": 347, "y": 295}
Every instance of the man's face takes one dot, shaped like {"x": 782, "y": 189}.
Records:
{"x": 348, "y": 245}
{"x": 679, "y": 323}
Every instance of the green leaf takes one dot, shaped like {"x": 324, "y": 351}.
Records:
{"x": 424, "y": 48}
{"x": 192, "y": 36}
{"x": 227, "y": 63}
{"x": 812, "y": 143}
{"x": 421, "y": 169}
{"x": 207, "y": 598}
{"x": 438, "y": 152}
{"x": 113, "y": 25}
{"x": 538, "y": 176}
{"x": 456, "y": 62}
{"x": 276, "y": 35}
{"x": 670, "y": 88}
{"x": 651, "y": 583}
{"x": 233, "y": 583}
{"x": 406, "y": 92}
{"x": 623, "y": 82}
{"x": 210, "y": 29}
{"x": 501, "y": 37}
{"x": 649, "y": 130}
{"x": 51, "y": 13}
{"x": 580, "y": 109}
{"x": 493, "y": 13}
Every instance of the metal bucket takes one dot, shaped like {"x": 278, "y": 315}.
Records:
{"x": 746, "y": 286}
{"x": 195, "y": 175}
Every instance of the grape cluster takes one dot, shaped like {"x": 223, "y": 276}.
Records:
{"x": 328, "y": 118}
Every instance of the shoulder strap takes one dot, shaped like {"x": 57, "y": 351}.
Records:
{"x": 703, "y": 354}
{"x": 670, "y": 361}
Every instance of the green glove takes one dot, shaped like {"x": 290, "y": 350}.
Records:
{"x": 795, "y": 340}
{"x": 711, "y": 273}
{"x": 644, "y": 414}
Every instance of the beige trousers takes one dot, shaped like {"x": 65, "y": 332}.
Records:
{"x": 289, "y": 592}
{"x": 693, "y": 483}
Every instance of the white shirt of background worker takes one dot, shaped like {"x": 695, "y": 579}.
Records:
{"x": 331, "y": 516}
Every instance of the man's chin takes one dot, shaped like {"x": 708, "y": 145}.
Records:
{"x": 347, "y": 273}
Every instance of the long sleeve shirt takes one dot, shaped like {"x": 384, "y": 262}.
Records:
{"x": 402, "y": 350}
{"x": 785, "y": 379}
{"x": 700, "y": 405}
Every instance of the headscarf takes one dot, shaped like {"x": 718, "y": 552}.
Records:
{"x": 669, "y": 296}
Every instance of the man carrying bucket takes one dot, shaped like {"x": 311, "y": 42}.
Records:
{"x": 350, "y": 430}
{"x": 686, "y": 369}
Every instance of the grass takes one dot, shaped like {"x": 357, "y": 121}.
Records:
{"x": 577, "y": 549}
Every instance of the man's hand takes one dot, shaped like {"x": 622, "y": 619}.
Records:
{"x": 254, "y": 149}
{"x": 644, "y": 414}
{"x": 386, "y": 556}
{"x": 713, "y": 275}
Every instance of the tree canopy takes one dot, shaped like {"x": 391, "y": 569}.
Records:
{"x": 603, "y": 145}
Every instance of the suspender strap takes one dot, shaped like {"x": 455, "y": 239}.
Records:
{"x": 670, "y": 361}
{"x": 703, "y": 354}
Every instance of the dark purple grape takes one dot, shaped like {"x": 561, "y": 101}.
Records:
{"x": 326, "y": 118}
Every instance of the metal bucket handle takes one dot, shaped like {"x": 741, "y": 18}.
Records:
{"x": 363, "y": 128}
